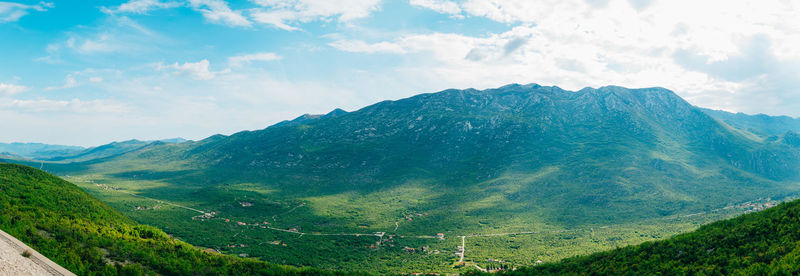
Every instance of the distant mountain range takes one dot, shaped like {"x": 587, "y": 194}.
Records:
{"x": 46, "y": 152}
{"x": 759, "y": 124}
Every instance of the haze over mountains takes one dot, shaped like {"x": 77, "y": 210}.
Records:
{"x": 759, "y": 124}
{"x": 46, "y": 152}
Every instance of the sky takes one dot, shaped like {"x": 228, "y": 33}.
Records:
{"x": 91, "y": 72}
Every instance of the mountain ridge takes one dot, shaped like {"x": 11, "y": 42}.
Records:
{"x": 49, "y": 152}
{"x": 760, "y": 124}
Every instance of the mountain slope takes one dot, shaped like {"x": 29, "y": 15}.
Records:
{"x": 763, "y": 243}
{"x": 88, "y": 237}
{"x": 613, "y": 144}
{"x": 759, "y": 124}
{"x": 475, "y": 130}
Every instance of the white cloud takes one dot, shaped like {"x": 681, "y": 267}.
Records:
{"x": 71, "y": 106}
{"x": 141, "y": 6}
{"x": 284, "y": 13}
{"x": 11, "y": 12}
{"x": 358, "y": 46}
{"x": 440, "y": 6}
{"x": 509, "y": 11}
{"x": 7, "y": 89}
{"x": 727, "y": 58}
{"x": 197, "y": 70}
{"x": 103, "y": 43}
{"x": 445, "y": 48}
{"x": 69, "y": 82}
{"x": 276, "y": 18}
{"x": 214, "y": 11}
{"x": 242, "y": 59}
{"x": 163, "y": 105}
{"x": 218, "y": 11}
{"x": 116, "y": 35}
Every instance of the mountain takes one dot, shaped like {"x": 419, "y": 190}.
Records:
{"x": 176, "y": 140}
{"x": 472, "y": 163}
{"x": 763, "y": 243}
{"x": 38, "y": 150}
{"x": 45, "y": 152}
{"x": 88, "y": 237}
{"x": 111, "y": 149}
{"x": 618, "y": 136}
{"x": 305, "y": 118}
{"x": 759, "y": 124}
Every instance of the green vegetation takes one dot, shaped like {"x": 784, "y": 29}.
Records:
{"x": 524, "y": 172}
{"x": 763, "y": 243}
{"x": 367, "y": 215}
{"x": 90, "y": 238}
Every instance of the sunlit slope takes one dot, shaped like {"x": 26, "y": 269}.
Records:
{"x": 763, "y": 243}
{"x": 87, "y": 237}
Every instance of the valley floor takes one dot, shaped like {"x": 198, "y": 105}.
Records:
{"x": 250, "y": 223}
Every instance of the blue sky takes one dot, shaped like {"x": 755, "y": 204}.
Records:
{"x": 91, "y": 72}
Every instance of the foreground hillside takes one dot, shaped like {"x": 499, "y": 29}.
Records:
{"x": 88, "y": 237}
{"x": 763, "y": 243}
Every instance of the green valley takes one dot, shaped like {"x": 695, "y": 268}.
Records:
{"x": 524, "y": 173}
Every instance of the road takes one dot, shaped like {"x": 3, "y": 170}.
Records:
{"x": 156, "y": 200}
{"x": 376, "y": 234}
{"x": 463, "y": 248}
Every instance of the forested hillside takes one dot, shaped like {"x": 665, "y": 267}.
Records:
{"x": 763, "y": 243}
{"x": 90, "y": 238}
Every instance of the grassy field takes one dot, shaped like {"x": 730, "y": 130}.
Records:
{"x": 390, "y": 230}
